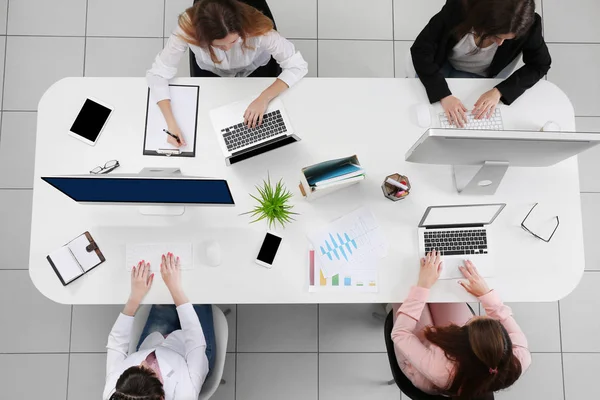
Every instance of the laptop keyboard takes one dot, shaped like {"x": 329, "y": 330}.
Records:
{"x": 239, "y": 135}
{"x": 458, "y": 242}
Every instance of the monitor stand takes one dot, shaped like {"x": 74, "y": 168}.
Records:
{"x": 161, "y": 210}
{"x": 479, "y": 180}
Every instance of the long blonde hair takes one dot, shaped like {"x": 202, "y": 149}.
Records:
{"x": 209, "y": 20}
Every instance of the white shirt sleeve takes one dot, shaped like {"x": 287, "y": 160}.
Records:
{"x": 165, "y": 65}
{"x": 283, "y": 51}
{"x": 195, "y": 345}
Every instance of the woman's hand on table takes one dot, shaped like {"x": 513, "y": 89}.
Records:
{"x": 253, "y": 116}
{"x": 431, "y": 268}
{"x": 171, "y": 274}
{"x": 455, "y": 111}
{"x": 141, "y": 282}
{"x": 486, "y": 105}
{"x": 475, "y": 284}
{"x": 174, "y": 129}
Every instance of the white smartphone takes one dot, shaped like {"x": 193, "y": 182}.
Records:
{"x": 90, "y": 121}
{"x": 268, "y": 250}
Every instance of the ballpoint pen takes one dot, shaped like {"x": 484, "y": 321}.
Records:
{"x": 170, "y": 134}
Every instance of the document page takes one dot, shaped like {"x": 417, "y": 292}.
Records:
{"x": 184, "y": 102}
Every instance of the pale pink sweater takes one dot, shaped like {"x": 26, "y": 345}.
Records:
{"x": 424, "y": 363}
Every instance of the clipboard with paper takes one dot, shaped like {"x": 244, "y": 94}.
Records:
{"x": 184, "y": 102}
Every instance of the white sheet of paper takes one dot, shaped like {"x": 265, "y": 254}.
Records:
{"x": 65, "y": 263}
{"x": 86, "y": 259}
{"x": 184, "y": 102}
{"x": 152, "y": 253}
{"x": 352, "y": 242}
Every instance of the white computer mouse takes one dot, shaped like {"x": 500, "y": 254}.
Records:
{"x": 423, "y": 115}
{"x": 213, "y": 253}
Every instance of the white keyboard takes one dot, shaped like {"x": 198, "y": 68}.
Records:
{"x": 493, "y": 123}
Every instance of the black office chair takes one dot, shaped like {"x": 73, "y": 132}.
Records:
{"x": 272, "y": 68}
{"x": 404, "y": 384}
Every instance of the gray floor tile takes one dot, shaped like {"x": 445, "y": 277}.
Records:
{"x": 3, "y": 16}
{"x": 56, "y": 17}
{"x": 277, "y": 328}
{"x": 2, "y": 59}
{"x": 17, "y": 149}
{"x": 34, "y": 376}
{"x": 571, "y": 21}
{"x": 358, "y": 20}
{"x": 137, "y": 18}
{"x": 43, "y": 326}
{"x": 295, "y": 19}
{"x": 356, "y": 59}
{"x": 543, "y": 380}
{"x": 172, "y": 10}
{"x": 226, "y": 391}
{"x": 276, "y": 376}
{"x": 15, "y": 228}
{"x": 350, "y": 328}
{"x": 355, "y": 377}
{"x": 590, "y": 209}
{"x": 231, "y": 324}
{"x": 87, "y": 374}
{"x": 539, "y": 322}
{"x": 579, "y": 321}
{"x": 571, "y": 61}
{"x": 410, "y": 17}
{"x": 25, "y": 80}
{"x": 581, "y": 374}
{"x": 308, "y": 49}
{"x": 91, "y": 326}
{"x": 120, "y": 56}
{"x": 401, "y": 52}
{"x": 589, "y": 161}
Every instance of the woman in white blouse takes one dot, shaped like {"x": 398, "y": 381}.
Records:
{"x": 175, "y": 350}
{"x": 228, "y": 38}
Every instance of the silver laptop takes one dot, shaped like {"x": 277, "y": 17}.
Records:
{"x": 460, "y": 232}
{"x": 238, "y": 142}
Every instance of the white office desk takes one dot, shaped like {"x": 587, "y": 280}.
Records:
{"x": 335, "y": 117}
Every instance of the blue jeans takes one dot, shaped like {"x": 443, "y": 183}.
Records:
{"x": 450, "y": 72}
{"x": 164, "y": 319}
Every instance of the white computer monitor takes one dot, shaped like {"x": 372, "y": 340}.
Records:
{"x": 157, "y": 191}
{"x": 481, "y": 157}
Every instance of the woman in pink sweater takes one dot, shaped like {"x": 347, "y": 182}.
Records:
{"x": 444, "y": 349}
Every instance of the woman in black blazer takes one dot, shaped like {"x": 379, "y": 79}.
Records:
{"x": 480, "y": 38}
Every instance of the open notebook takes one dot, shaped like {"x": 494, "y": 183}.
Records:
{"x": 75, "y": 258}
{"x": 184, "y": 102}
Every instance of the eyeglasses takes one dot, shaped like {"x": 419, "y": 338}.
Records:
{"x": 108, "y": 167}
{"x": 537, "y": 236}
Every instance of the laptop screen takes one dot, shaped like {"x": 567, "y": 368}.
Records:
{"x": 472, "y": 214}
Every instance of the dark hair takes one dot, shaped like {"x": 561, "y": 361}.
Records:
{"x": 496, "y": 17}
{"x": 482, "y": 352}
{"x": 209, "y": 20}
{"x": 138, "y": 383}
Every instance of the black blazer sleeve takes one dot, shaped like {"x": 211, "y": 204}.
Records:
{"x": 423, "y": 53}
{"x": 537, "y": 64}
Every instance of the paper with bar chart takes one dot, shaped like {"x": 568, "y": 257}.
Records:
{"x": 348, "y": 249}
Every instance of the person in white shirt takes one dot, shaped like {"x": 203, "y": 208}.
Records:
{"x": 229, "y": 39}
{"x": 170, "y": 364}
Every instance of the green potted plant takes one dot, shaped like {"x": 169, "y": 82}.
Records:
{"x": 273, "y": 204}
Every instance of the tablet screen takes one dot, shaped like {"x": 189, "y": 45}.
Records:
{"x": 90, "y": 120}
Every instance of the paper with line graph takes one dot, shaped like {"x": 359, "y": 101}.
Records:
{"x": 354, "y": 242}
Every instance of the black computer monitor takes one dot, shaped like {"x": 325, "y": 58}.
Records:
{"x": 142, "y": 190}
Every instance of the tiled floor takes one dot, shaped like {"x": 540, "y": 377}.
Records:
{"x": 328, "y": 352}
